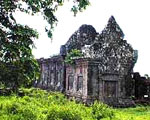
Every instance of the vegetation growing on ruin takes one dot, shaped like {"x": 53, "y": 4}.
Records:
{"x": 74, "y": 53}
{"x": 36, "y": 104}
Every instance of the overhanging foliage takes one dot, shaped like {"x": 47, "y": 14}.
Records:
{"x": 17, "y": 64}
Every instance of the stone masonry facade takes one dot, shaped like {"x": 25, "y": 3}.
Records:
{"x": 100, "y": 74}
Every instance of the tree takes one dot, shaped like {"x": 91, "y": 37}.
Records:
{"x": 17, "y": 64}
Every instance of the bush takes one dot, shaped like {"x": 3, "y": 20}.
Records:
{"x": 38, "y": 104}
{"x": 101, "y": 110}
{"x": 63, "y": 113}
{"x": 17, "y": 109}
{"x": 74, "y": 53}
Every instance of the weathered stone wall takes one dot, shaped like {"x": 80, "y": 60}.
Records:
{"x": 76, "y": 79}
{"x": 102, "y": 72}
{"x": 93, "y": 79}
{"x": 110, "y": 61}
{"x": 52, "y": 74}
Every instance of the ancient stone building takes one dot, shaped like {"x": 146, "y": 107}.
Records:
{"x": 102, "y": 71}
{"x": 52, "y": 74}
{"x": 142, "y": 87}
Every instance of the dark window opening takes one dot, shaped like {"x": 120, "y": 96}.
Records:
{"x": 79, "y": 83}
{"x": 70, "y": 82}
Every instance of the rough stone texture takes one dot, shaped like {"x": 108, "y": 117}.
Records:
{"x": 103, "y": 73}
{"x": 113, "y": 52}
{"x": 85, "y": 35}
{"x": 110, "y": 60}
{"x": 52, "y": 74}
{"x": 76, "y": 76}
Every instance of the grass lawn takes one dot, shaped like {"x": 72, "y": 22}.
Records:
{"x": 137, "y": 113}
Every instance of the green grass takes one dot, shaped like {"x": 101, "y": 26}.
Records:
{"x": 137, "y": 113}
{"x": 38, "y": 104}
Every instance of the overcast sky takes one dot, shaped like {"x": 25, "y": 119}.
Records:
{"x": 133, "y": 16}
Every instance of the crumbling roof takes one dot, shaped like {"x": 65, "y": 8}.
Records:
{"x": 88, "y": 29}
{"x": 85, "y": 35}
{"x": 112, "y": 26}
{"x": 109, "y": 46}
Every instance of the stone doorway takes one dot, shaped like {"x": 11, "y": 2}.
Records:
{"x": 110, "y": 88}
{"x": 110, "y": 92}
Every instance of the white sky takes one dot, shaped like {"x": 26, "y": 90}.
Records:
{"x": 133, "y": 16}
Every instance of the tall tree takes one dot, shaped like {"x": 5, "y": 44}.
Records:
{"x": 17, "y": 64}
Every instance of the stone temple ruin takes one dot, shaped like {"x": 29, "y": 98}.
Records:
{"x": 102, "y": 73}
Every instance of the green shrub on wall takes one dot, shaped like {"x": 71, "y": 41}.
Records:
{"x": 75, "y": 53}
